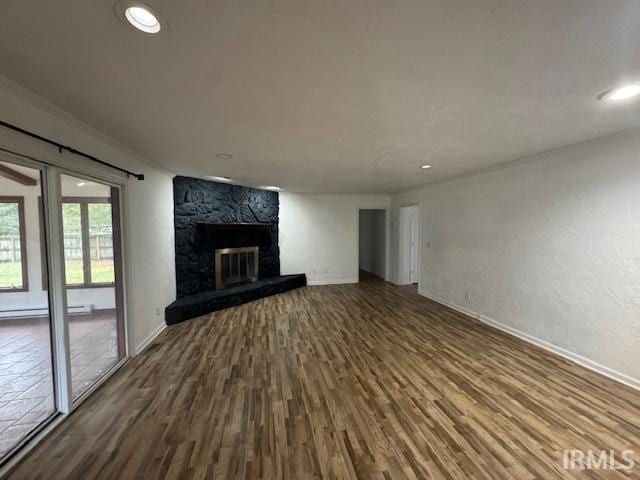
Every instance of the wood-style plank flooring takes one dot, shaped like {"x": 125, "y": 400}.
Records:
{"x": 349, "y": 381}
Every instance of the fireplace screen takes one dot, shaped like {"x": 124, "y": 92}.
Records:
{"x": 235, "y": 266}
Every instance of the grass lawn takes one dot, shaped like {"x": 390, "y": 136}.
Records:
{"x": 101, "y": 271}
{"x": 10, "y": 274}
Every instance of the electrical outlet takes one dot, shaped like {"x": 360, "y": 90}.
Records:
{"x": 158, "y": 311}
{"x": 428, "y": 244}
{"x": 467, "y": 296}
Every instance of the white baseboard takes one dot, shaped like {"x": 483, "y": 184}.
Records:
{"x": 339, "y": 281}
{"x": 150, "y": 338}
{"x": 574, "y": 357}
{"x": 43, "y": 311}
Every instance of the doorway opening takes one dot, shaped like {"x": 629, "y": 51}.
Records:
{"x": 372, "y": 243}
{"x": 409, "y": 245}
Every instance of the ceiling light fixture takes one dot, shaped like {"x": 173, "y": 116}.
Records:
{"x": 142, "y": 18}
{"x": 220, "y": 179}
{"x": 81, "y": 184}
{"x": 623, "y": 92}
{"x": 425, "y": 166}
{"x": 224, "y": 156}
{"x": 271, "y": 187}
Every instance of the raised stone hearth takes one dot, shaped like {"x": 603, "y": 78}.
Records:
{"x": 197, "y": 305}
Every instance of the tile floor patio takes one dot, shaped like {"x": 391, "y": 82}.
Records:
{"x": 26, "y": 386}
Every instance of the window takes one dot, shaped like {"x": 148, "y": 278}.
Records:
{"x": 88, "y": 241}
{"x": 13, "y": 246}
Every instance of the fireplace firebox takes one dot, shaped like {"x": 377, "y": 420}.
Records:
{"x": 235, "y": 266}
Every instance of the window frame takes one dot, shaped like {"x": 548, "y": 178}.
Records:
{"x": 23, "y": 243}
{"x": 86, "y": 247}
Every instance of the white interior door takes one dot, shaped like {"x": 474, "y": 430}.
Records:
{"x": 409, "y": 239}
{"x": 414, "y": 245}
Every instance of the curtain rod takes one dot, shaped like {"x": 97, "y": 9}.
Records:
{"x": 62, "y": 147}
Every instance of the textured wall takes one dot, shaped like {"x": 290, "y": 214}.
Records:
{"x": 202, "y": 201}
{"x": 319, "y": 235}
{"x": 550, "y": 247}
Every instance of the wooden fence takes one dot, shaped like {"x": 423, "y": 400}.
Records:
{"x": 100, "y": 247}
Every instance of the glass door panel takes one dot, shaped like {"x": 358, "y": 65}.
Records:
{"x": 27, "y": 395}
{"x": 93, "y": 281}
{"x": 101, "y": 265}
{"x": 73, "y": 253}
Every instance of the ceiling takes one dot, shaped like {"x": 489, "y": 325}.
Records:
{"x": 333, "y": 96}
{"x": 70, "y": 186}
{"x": 26, "y": 171}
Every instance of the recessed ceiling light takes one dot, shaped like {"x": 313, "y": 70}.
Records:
{"x": 81, "y": 184}
{"x": 142, "y": 18}
{"x": 623, "y": 92}
{"x": 425, "y": 166}
{"x": 224, "y": 156}
{"x": 270, "y": 187}
{"x": 220, "y": 179}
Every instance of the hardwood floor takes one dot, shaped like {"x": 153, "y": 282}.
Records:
{"x": 349, "y": 381}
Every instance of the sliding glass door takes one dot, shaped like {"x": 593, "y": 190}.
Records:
{"x": 62, "y": 326}
{"x": 90, "y": 217}
{"x": 27, "y": 395}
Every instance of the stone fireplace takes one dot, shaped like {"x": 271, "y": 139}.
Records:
{"x": 227, "y": 252}
{"x": 211, "y": 216}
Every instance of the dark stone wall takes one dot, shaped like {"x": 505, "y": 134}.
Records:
{"x": 198, "y": 200}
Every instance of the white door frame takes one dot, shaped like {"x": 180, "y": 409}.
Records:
{"x": 387, "y": 239}
{"x": 387, "y": 263}
{"x": 414, "y": 237}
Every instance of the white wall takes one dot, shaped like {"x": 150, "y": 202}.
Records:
{"x": 319, "y": 235}
{"x": 148, "y": 212}
{"x": 372, "y": 242}
{"x": 548, "y": 249}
